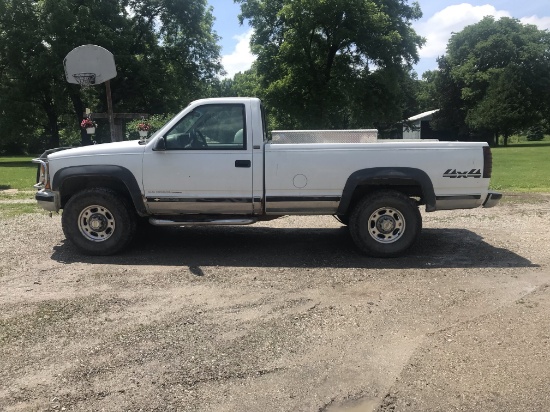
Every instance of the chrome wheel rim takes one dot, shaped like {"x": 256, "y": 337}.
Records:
{"x": 96, "y": 223}
{"x": 386, "y": 225}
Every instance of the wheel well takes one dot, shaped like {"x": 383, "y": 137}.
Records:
{"x": 414, "y": 190}
{"x": 75, "y": 184}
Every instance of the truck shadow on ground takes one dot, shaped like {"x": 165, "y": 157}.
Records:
{"x": 250, "y": 246}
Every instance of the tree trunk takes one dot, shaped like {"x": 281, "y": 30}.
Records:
{"x": 53, "y": 127}
{"x": 48, "y": 104}
{"x": 54, "y": 132}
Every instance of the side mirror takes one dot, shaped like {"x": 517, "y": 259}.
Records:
{"x": 160, "y": 145}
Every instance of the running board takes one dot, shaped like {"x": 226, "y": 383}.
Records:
{"x": 201, "y": 222}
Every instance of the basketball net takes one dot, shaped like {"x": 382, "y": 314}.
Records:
{"x": 85, "y": 80}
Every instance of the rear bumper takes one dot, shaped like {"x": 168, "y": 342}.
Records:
{"x": 492, "y": 199}
{"x": 48, "y": 200}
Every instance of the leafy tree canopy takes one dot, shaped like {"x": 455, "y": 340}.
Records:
{"x": 494, "y": 79}
{"x": 165, "y": 50}
{"x": 333, "y": 63}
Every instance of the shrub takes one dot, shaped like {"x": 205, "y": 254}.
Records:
{"x": 535, "y": 134}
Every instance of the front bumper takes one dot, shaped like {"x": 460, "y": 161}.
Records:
{"x": 492, "y": 199}
{"x": 48, "y": 200}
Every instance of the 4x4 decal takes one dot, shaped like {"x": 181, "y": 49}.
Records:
{"x": 454, "y": 174}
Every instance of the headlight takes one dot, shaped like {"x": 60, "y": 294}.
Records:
{"x": 42, "y": 176}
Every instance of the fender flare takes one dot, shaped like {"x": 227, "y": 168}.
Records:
{"x": 106, "y": 171}
{"x": 388, "y": 176}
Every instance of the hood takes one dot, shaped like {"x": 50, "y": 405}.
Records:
{"x": 115, "y": 148}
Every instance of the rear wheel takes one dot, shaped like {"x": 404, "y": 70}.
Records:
{"x": 98, "y": 222}
{"x": 385, "y": 224}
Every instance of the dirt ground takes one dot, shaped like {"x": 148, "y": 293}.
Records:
{"x": 281, "y": 316}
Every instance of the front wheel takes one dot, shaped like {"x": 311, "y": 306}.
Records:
{"x": 98, "y": 222}
{"x": 385, "y": 224}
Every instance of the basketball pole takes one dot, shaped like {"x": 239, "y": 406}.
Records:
{"x": 110, "y": 110}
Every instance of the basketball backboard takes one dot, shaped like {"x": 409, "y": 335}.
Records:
{"x": 90, "y": 63}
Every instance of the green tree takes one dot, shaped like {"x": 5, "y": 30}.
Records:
{"x": 243, "y": 84}
{"x": 494, "y": 79}
{"x": 426, "y": 93}
{"x": 333, "y": 63}
{"x": 166, "y": 54}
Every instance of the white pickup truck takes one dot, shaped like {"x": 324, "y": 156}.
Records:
{"x": 214, "y": 164}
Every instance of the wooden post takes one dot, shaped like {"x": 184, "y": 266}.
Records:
{"x": 114, "y": 137}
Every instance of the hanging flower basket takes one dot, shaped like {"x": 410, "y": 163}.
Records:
{"x": 89, "y": 125}
{"x": 143, "y": 129}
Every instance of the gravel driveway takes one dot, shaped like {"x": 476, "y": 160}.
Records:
{"x": 281, "y": 316}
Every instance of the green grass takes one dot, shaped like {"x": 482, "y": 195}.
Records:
{"x": 522, "y": 167}
{"x": 8, "y": 210}
{"x": 17, "y": 173}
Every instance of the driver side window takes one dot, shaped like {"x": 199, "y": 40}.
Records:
{"x": 210, "y": 127}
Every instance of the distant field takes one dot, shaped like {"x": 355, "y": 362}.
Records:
{"x": 522, "y": 167}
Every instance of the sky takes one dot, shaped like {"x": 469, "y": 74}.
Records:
{"x": 440, "y": 19}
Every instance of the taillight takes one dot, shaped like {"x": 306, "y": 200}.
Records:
{"x": 487, "y": 162}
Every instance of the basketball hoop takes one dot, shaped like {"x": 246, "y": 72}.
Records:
{"x": 85, "y": 79}
{"x": 89, "y": 65}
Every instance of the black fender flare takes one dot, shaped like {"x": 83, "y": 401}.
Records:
{"x": 388, "y": 176}
{"x": 114, "y": 172}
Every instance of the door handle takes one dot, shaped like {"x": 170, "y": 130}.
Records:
{"x": 243, "y": 163}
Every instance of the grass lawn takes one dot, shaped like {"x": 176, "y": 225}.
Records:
{"x": 522, "y": 167}
{"x": 17, "y": 173}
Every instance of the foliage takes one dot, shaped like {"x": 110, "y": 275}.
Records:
{"x": 493, "y": 81}
{"x": 166, "y": 55}
{"x": 535, "y": 133}
{"x": 332, "y": 63}
{"x": 426, "y": 91}
{"x": 154, "y": 123}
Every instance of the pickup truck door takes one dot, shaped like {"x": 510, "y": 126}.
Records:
{"x": 206, "y": 164}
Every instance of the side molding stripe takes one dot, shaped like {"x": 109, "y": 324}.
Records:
{"x": 459, "y": 197}
{"x": 200, "y": 200}
{"x": 272, "y": 199}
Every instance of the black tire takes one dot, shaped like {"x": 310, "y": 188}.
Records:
{"x": 385, "y": 224}
{"x": 98, "y": 222}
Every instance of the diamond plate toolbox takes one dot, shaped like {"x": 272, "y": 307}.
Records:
{"x": 324, "y": 136}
